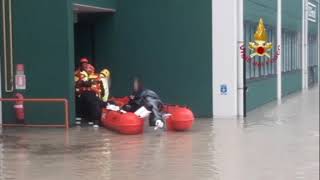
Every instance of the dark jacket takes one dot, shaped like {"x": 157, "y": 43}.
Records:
{"x": 140, "y": 97}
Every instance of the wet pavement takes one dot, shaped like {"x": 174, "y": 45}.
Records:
{"x": 273, "y": 143}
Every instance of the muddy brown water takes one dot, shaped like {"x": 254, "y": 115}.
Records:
{"x": 273, "y": 143}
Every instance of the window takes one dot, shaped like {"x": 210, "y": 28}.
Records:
{"x": 291, "y": 54}
{"x": 312, "y": 51}
{"x": 252, "y": 70}
{"x": 291, "y": 51}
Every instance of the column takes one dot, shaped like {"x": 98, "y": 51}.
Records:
{"x": 225, "y": 57}
{"x": 279, "y": 40}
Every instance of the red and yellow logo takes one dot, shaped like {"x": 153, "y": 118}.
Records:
{"x": 260, "y": 46}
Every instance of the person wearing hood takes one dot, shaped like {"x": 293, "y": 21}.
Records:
{"x": 147, "y": 98}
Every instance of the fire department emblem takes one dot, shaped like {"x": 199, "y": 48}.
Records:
{"x": 260, "y": 46}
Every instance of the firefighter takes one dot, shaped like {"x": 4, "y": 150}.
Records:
{"x": 91, "y": 92}
{"x": 105, "y": 79}
{"x": 83, "y": 63}
{"x": 80, "y": 76}
{"x": 150, "y": 100}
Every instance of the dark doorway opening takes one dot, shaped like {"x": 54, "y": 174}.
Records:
{"x": 84, "y": 38}
{"x": 86, "y": 19}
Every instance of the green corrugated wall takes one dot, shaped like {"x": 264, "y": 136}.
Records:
{"x": 263, "y": 90}
{"x": 260, "y": 92}
{"x": 167, "y": 43}
{"x": 42, "y": 42}
{"x": 291, "y": 82}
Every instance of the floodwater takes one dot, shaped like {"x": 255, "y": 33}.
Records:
{"x": 275, "y": 142}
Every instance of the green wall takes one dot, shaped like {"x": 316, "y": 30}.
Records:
{"x": 260, "y": 92}
{"x": 291, "y": 82}
{"x": 263, "y": 90}
{"x": 42, "y": 42}
{"x": 291, "y": 13}
{"x": 100, "y": 3}
{"x": 167, "y": 43}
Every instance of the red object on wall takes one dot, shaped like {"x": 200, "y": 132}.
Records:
{"x": 20, "y": 82}
{"x": 124, "y": 123}
{"x": 19, "y": 108}
{"x": 181, "y": 118}
{"x": 20, "y": 78}
{"x": 20, "y": 68}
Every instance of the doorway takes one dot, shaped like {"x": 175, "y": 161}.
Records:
{"x": 86, "y": 23}
{"x": 84, "y": 38}
{"x": 0, "y": 93}
{"x": 313, "y": 65}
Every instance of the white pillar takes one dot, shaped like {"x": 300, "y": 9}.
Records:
{"x": 304, "y": 45}
{"x": 279, "y": 39}
{"x": 240, "y": 61}
{"x": 224, "y": 57}
{"x": 318, "y": 21}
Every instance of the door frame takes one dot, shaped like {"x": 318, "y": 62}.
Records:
{"x": 0, "y": 91}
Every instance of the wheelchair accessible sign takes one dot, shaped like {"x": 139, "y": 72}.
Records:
{"x": 223, "y": 89}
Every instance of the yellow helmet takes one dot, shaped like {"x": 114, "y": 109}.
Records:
{"x": 84, "y": 75}
{"x": 105, "y": 73}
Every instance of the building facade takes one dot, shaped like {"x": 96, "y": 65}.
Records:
{"x": 170, "y": 44}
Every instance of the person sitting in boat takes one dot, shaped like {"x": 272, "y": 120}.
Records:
{"x": 148, "y": 99}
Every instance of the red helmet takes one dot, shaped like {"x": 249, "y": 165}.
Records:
{"x": 84, "y": 60}
{"x": 90, "y": 68}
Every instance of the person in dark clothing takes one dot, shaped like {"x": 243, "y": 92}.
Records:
{"x": 78, "y": 75}
{"x": 91, "y": 90}
{"x": 150, "y": 100}
{"x": 92, "y": 105}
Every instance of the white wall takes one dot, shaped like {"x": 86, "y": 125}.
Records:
{"x": 224, "y": 57}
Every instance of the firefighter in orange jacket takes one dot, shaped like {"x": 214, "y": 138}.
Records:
{"x": 83, "y": 64}
{"x": 91, "y": 92}
{"x": 79, "y": 76}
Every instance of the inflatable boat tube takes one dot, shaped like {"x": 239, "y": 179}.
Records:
{"x": 181, "y": 118}
{"x": 120, "y": 101}
{"x": 123, "y": 123}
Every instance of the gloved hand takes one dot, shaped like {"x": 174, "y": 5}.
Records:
{"x": 159, "y": 124}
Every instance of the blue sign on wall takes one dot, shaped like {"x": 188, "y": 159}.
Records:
{"x": 223, "y": 89}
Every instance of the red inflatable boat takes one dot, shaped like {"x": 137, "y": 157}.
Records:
{"x": 124, "y": 123}
{"x": 181, "y": 119}
{"x": 120, "y": 101}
